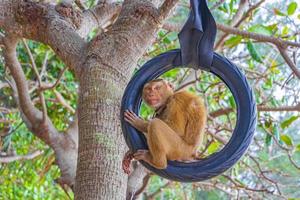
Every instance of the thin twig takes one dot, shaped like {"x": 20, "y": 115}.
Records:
{"x": 44, "y": 66}
{"x": 217, "y": 4}
{"x": 246, "y": 187}
{"x": 63, "y": 102}
{"x": 263, "y": 174}
{"x": 238, "y": 15}
{"x": 262, "y": 108}
{"x": 292, "y": 161}
{"x": 186, "y": 85}
{"x": 289, "y": 61}
{"x": 41, "y": 95}
{"x": 249, "y": 12}
{"x": 61, "y": 73}
{"x": 80, "y": 5}
{"x": 1, "y": 39}
{"x": 8, "y": 159}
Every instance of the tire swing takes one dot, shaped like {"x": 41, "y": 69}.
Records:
{"x": 196, "y": 40}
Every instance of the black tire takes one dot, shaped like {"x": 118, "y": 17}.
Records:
{"x": 216, "y": 163}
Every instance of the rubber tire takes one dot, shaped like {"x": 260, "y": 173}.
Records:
{"x": 218, "y": 162}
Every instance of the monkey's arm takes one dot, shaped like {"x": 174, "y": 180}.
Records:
{"x": 136, "y": 121}
{"x": 196, "y": 121}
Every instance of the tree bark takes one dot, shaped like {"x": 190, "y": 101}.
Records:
{"x": 111, "y": 59}
{"x": 103, "y": 68}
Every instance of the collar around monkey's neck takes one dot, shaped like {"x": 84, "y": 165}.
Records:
{"x": 159, "y": 110}
{"x": 162, "y": 108}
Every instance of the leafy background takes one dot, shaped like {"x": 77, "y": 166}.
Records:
{"x": 269, "y": 170}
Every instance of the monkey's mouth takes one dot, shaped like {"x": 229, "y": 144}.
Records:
{"x": 153, "y": 101}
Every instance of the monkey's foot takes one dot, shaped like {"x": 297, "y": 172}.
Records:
{"x": 141, "y": 154}
{"x": 126, "y": 162}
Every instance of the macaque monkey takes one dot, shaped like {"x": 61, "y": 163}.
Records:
{"x": 175, "y": 132}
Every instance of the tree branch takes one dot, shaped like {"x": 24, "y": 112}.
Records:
{"x": 41, "y": 95}
{"x": 101, "y": 16}
{"x": 80, "y": 4}
{"x": 43, "y": 23}
{"x": 8, "y": 159}
{"x": 249, "y": 12}
{"x": 217, "y": 4}
{"x": 280, "y": 43}
{"x": 63, "y": 102}
{"x": 60, "y": 75}
{"x": 238, "y": 19}
{"x": 225, "y": 111}
{"x": 236, "y": 184}
{"x": 17, "y": 72}
{"x": 166, "y": 8}
{"x": 64, "y": 145}
{"x": 1, "y": 39}
{"x": 289, "y": 61}
{"x": 257, "y": 37}
{"x": 279, "y": 109}
{"x": 245, "y": 34}
{"x": 44, "y": 66}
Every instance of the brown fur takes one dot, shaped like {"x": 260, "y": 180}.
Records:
{"x": 177, "y": 131}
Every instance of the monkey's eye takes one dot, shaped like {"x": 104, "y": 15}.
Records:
{"x": 157, "y": 87}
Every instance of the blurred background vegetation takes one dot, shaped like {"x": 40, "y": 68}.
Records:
{"x": 269, "y": 170}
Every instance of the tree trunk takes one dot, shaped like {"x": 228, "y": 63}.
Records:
{"x": 103, "y": 67}
{"x": 101, "y": 143}
{"x": 111, "y": 59}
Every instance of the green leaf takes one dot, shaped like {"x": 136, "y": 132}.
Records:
{"x": 267, "y": 123}
{"x": 213, "y": 147}
{"x": 268, "y": 140}
{"x": 277, "y": 12}
{"x": 254, "y": 54}
{"x": 251, "y": 64}
{"x": 232, "y": 102}
{"x": 288, "y": 122}
{"x": 226, "y": 7}
{"x": 233, "y": 41}
{"x": 166, "y": 40}
{"x": 231, "y": 6}
{"x": 285, "y": 31}
{"x": 298, "y": 147}
{"x": 258, "y": 28}
{"x": 161, "y": 33}
{"x": 269, "y": 82}
{"x": 292, "y": 8}
{"x": 286, "y": 139}
{"x": 273, "y": 27}
{"x": 274, "y": 67}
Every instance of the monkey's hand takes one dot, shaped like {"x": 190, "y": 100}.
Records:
{"x": 126, "y": 162}
{"x": 142, "y": 154}
{"x": 136, "y": 121}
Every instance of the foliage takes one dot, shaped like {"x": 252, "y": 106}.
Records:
{"x": 272, "y": 159}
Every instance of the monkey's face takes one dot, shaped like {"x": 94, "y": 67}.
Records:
{"x": 156, "y": 93}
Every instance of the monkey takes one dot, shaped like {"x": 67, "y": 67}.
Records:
{"x": 176, "y": 130}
